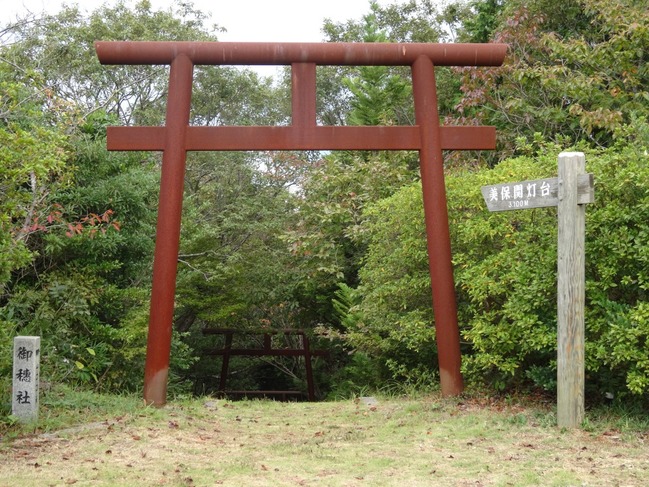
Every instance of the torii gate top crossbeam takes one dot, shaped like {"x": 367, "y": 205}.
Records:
{"x": 304, "y": 133}
{"x": 285, "y": 53}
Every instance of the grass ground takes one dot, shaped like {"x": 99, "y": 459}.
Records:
{"x": 427, "y": 441}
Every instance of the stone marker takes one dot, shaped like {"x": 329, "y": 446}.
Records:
{"x": 26, "y": 378}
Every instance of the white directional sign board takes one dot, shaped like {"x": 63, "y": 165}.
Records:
{"x": 538, "y": 193}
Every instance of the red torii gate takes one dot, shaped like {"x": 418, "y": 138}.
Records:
{"x": 177, "y": 137}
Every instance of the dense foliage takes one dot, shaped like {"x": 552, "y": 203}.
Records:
{"x": 33, "y": 151}
{"x": 575, "y": 71}
{"x": 505, "y": 269}
{"x": 332, "y": 243}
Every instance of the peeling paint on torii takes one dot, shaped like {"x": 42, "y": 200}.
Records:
{"x": 177, "y": 137}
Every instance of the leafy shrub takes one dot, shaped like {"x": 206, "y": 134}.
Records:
{"x": 505, "y": 273}
{"x": 86, "y": 291}
{"x": 395, "y": 308}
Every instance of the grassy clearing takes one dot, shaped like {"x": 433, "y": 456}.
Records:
{"x": 427, "y": 441}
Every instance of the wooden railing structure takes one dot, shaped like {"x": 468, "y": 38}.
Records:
{"x": 303, "y": 349}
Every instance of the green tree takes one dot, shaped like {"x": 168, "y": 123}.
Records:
{"x": 341, "y": 89}
{"x": 87, "y": 289}
{"x": 379, "y": 96}
{"x": 573, "y": 73}
{"x": 474, "y": 21}
{"x": 33, "y": 152}
{"x": 61, "y": 49}
{"x": 336, "y": 190}
{"x": 412, "y": 21}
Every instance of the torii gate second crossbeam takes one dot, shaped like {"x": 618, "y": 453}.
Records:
{"x": 177, "y": 137}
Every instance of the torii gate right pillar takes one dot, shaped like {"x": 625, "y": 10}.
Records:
{"x": 438, "y": 238}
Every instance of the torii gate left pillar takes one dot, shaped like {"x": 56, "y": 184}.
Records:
{"x": 177, "y": 137}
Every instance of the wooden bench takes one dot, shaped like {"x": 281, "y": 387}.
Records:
{"x": 267, "y": 350}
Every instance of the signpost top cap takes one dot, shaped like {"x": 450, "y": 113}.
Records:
{"x": 571, "y": 154}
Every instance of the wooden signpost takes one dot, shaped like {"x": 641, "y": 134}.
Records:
{"x": 569, "y": 192}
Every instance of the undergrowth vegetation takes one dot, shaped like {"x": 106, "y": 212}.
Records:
{"x": 505, "y": 268}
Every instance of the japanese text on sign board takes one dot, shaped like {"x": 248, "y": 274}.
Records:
{"x": 519, "y": 194}
{"x": 538, "y": 193}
